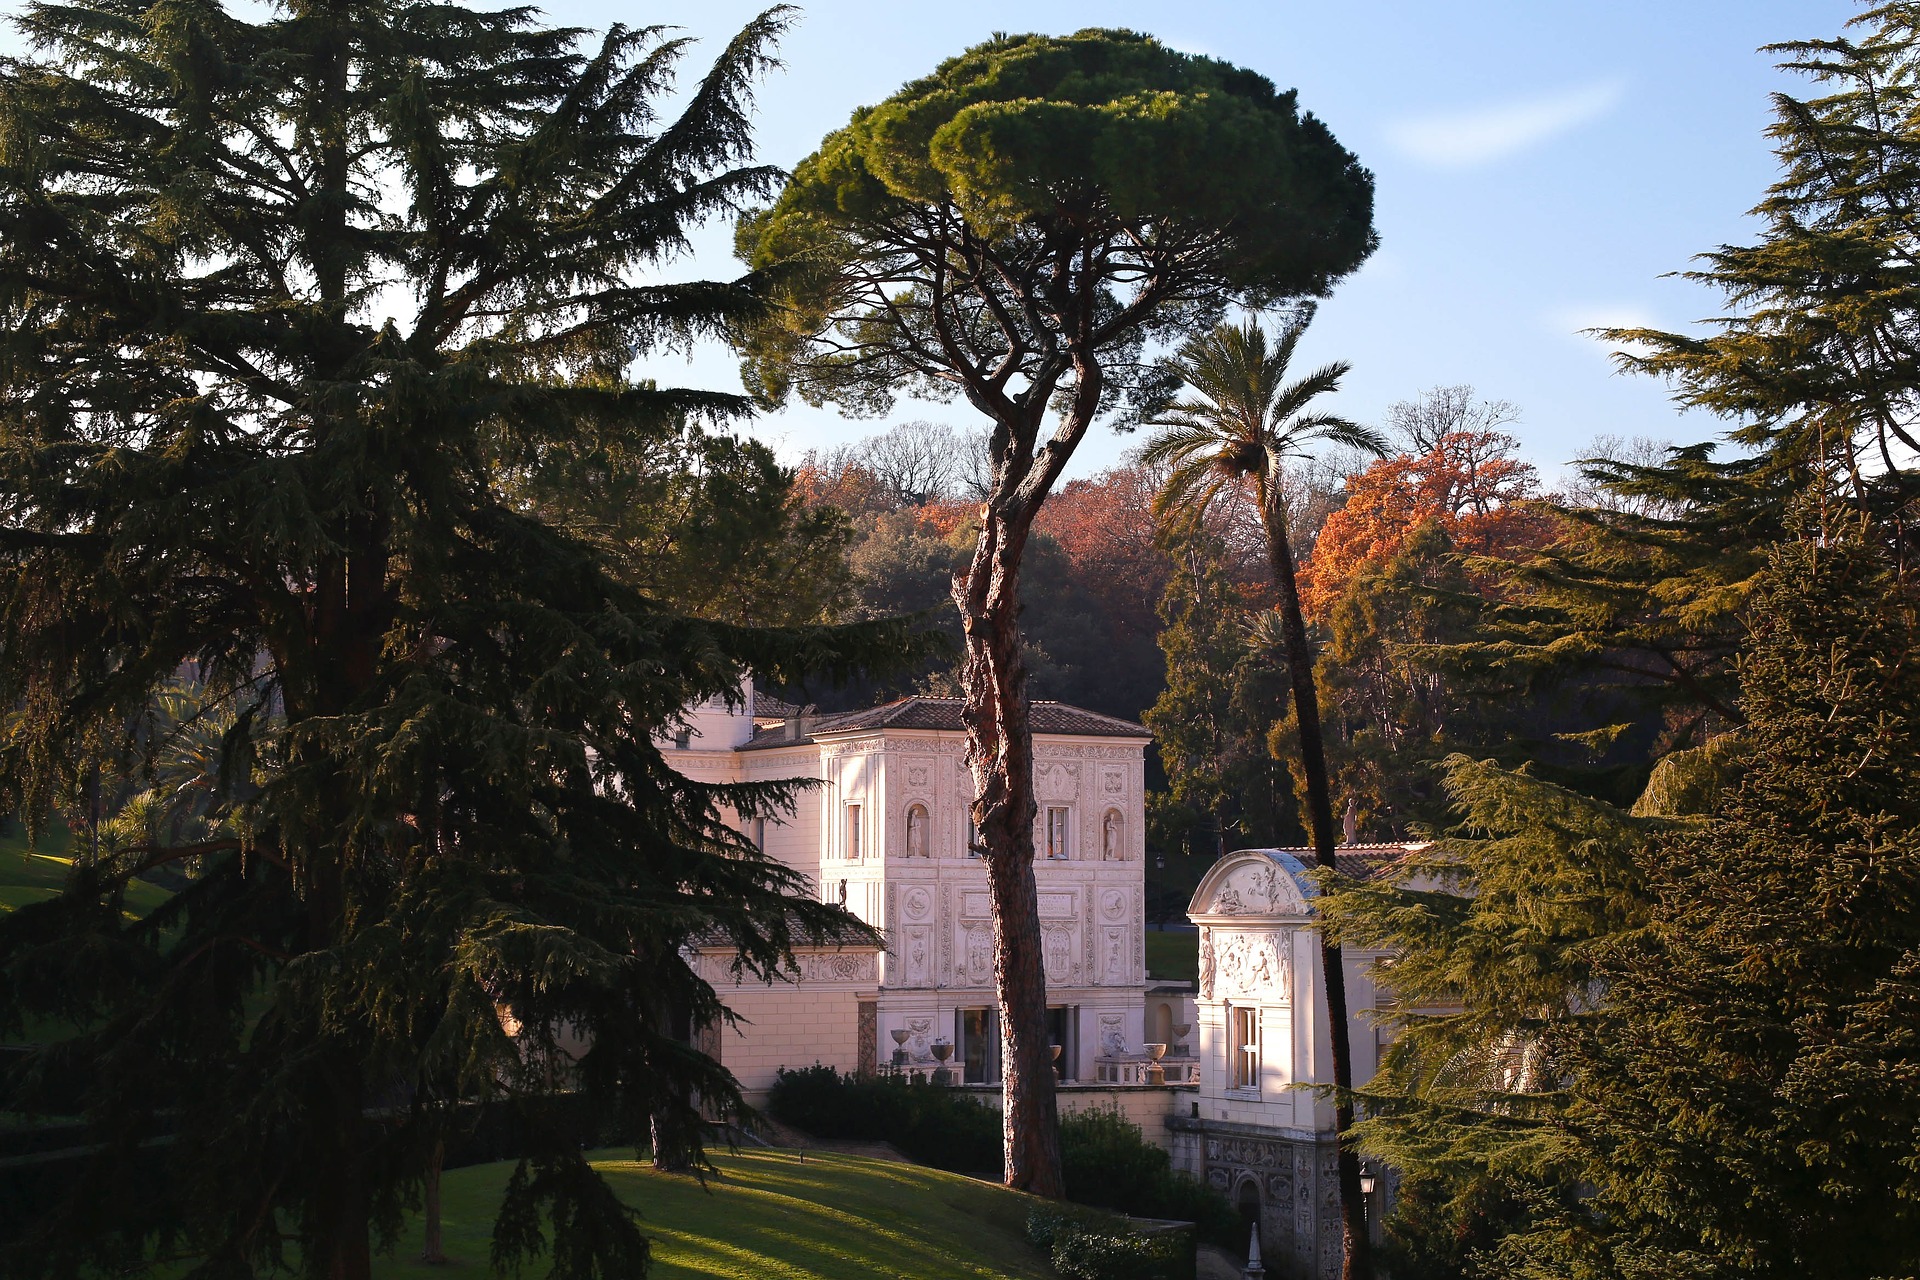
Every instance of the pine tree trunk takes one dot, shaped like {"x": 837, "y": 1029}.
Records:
{"x": 339, "y": 1176}
{"x": 1000, "y": 753}
{"x": 672, "y": 1150}
{"x": 1313, "y": 763}
{"x": 433, "y": 1249}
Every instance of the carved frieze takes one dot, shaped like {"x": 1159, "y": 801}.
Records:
{"x": 1057, "y": 953}
{"x": 809, "y": 966}
{"x": 1057, "y": 781}
{"x": 1259, "y": 888}
{"x": 978, "y": 965}
{"x": 1252, "y": 966}
{"x": 1113, "y": 950}
{"x": 917, "y": 951}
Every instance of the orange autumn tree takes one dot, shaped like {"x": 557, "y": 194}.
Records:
{"x": 1470, "y": 484}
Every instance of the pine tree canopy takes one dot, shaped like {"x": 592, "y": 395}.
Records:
{"x": 1039, "y": 203}
{"x": 295, "y": 299}
{"x": 1816, "y": 363}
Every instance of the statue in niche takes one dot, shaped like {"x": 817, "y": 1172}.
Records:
{"x": 1206, "y": 965}
{"x": 1110, "y": 837}
{"x": 917, "y": 824}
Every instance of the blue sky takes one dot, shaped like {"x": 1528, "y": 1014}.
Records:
{"x": 1541, "y": 164}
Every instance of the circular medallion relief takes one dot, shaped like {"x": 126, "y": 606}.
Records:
{"x": 918, "y": 903}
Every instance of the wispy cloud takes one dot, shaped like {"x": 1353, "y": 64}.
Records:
{"x": 1577, "y": 322}
{"x": 1576, "y": 319}
{"x": 1464, "y": 139}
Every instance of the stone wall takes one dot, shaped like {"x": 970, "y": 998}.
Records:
{"x": 1292, "y": 1178}
{"x": 817, "y": 1016}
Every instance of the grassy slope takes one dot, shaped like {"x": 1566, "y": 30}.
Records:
{"x": 1174, "y": 956}
{"x": 835, "y": 1217}
{"x": 37, "y": 873}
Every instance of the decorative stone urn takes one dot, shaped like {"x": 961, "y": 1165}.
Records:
{"x": 1156, "y": 1074}
{"x": 900, "y": 1037}
{"x": 942, "y": 1050}
{"x": 1181, "y": 1030}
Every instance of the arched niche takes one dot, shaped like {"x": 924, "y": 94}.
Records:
{"x": 919, "y": 831}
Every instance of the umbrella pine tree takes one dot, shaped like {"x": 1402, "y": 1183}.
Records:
{"x": 1014, "y": 230}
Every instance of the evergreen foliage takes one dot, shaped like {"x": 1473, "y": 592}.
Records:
{"x": 295, "y": 300}
{"x": 1496, "y": 935}
{"x": 1749, "y": 1102}
{"x": 1225, "y": 790}
{"x": 1648, "y": 1046}
{"x": 1818, "y": 365}
{"x": 1815, "y": 367}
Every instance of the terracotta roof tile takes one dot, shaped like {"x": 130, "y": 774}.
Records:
{"x": 920, "y": 712}
{"x": 1360, "y": 861}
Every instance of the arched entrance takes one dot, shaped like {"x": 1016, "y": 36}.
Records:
{"x": 1247, "y": 1201}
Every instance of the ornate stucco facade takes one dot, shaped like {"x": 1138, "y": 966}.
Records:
{"x": 885, "y": 830}
{"x": 1258, "y": 1131}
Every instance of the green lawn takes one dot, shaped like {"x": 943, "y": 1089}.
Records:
{"x": 37, "y": 873}
{"x": 835, "y": 1217}
{"x": 1173, "y": 956}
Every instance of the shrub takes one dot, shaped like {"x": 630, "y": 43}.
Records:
{"x": 1092, "y": 1255}
{"x": 1107, "y": 1161}
{"x": 818, "y": 1100}
{"x": 927, "y": 1124}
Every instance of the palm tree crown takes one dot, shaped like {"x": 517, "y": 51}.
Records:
{"x": 1245, "y": 418}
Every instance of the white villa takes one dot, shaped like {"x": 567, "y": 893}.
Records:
{"x": 885, "y": 833}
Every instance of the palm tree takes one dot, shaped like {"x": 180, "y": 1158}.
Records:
{"x": 1238, "y": 432}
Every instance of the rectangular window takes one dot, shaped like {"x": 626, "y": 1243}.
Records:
{"x": 977, "y": 1031}
{"x": 1244, "y": 1026}
{"x": 1056, "y": 833}
{"x": 853, "y": 833}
